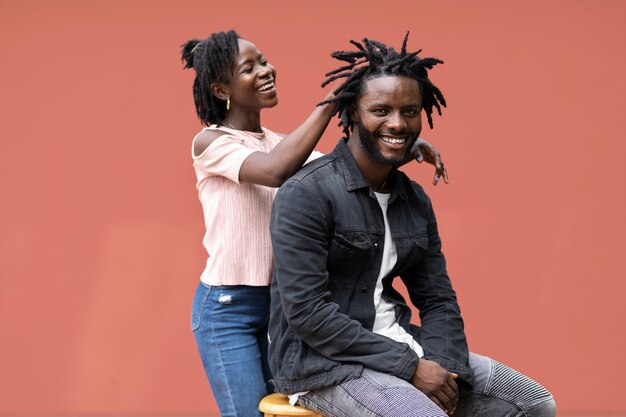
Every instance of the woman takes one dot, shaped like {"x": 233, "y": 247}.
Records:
{"x": 238, "y": 162}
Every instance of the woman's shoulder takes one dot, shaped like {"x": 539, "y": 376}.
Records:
{"x": 274, "y": 135}
{"x": 205, "y": 137}
{"x": 210, "y": 134}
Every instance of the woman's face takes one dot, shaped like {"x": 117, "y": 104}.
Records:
{"x": 253, "y": 84}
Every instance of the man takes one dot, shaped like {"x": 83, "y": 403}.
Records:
{"x": 342, "y": 229}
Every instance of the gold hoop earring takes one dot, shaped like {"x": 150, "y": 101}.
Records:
{"x": 228, "y": 104}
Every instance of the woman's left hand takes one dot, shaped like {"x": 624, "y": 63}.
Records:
{"x": 424, "y": 151}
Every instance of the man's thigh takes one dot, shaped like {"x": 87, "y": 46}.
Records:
{"x": 502, "y": 391}
{"x": 373, "y": 394}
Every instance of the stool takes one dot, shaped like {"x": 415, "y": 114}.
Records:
{"x": 277, "y": 405}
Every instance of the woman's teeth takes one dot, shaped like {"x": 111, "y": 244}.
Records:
{"x": 266, "y": 87}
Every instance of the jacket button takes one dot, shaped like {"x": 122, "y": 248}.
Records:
{"x": 351, "y": 252}
{"x": 364, "y": 290}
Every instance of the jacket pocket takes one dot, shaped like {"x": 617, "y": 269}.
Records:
{"x": 411, "y": 250}
{"x": 420, "y": 241}
{"x": 348, "y": 253}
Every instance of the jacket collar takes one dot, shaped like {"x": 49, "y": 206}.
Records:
{"x": 354, "y": 177}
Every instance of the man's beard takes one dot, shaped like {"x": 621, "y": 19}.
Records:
{"x": 368, "y": 140}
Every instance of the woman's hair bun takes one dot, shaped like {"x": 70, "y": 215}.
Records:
{"x": 187, "y": 51}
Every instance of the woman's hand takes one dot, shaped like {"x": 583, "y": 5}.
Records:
{"x": 424, "y": 151}
{"x": 357, "y": 65}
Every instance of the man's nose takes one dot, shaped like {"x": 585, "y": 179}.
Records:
{"x": 395, "y": 122}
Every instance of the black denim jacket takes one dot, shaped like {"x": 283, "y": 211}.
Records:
{"x": 328, "y": 234}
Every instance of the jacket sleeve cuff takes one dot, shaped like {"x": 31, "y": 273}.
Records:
{"x": 465, "y": 374}
{"x": 406, "y": 367}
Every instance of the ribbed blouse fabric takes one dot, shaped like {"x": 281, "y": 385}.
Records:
{"x": 236, "y": 215}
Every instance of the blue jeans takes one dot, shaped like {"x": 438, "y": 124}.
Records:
{"x": 230, "y": 327}
{"x": 498, "y": 391}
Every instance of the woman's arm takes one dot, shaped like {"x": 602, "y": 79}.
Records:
{"x": 274, "y": 167}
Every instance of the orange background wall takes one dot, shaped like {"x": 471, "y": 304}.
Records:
{"x": 100, "y": 228}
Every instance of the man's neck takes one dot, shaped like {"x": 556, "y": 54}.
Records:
{"x": 373, "y": 171}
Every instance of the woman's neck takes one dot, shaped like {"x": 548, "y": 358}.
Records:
{"x": 248, "y": 121}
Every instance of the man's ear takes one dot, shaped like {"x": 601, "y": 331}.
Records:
{"x": 354, "y": 114}
{"x": 220, "y": 91}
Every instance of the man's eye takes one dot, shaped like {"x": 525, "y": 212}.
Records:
{"x": 379, "y": 111}
{"x": 411, "y": 112}
{"x": 264, "y": 63}
{"x": 247, "y": 70}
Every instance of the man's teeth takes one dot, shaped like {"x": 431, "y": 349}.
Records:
{"x": 266, "y": 87}
{"x": 392, "y": 140}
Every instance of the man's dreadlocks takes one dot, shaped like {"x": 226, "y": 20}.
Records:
{"x": 213, "y": 60}
{"x": 381, "y": 61}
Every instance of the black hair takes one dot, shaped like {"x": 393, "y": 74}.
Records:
{"x": 381, "y": 61}
{"x": 212, "y": 59}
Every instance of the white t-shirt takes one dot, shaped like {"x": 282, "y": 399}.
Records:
{"x": 386, "y": 322}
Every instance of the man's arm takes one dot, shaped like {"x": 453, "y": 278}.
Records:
{"x": 441, "y": 334}
{"x": 301, "y": 231}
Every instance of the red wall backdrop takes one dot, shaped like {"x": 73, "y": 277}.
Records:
{"x": 100, "y": 228}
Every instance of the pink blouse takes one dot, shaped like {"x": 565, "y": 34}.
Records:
{"x": 236, "y": 215}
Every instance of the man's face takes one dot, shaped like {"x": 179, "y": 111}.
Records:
{"x": 389, "y": 118}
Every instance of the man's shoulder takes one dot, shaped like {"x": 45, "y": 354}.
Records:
{"x": 316, "y": 169}
{"x": 319, "y": 180}
{"x": 412, "y": 186}
{"x": 308, "y": 189}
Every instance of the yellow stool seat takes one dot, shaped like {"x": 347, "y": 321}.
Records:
{"x": 277, "y": 405}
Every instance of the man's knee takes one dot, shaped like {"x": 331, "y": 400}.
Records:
{"x": 496, "y": 380}
{"x": 545, "y": 408}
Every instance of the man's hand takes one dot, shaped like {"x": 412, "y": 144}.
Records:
{"x": 437, "y": 383}
{"x": 424, "y": 151}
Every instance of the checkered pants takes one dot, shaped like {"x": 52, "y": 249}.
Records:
{"x": 498, "y": 391}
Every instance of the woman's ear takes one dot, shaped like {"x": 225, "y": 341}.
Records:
{"x": 220, "y": 91}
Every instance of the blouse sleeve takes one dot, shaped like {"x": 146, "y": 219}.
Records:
{"x": 223, "y": 157}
